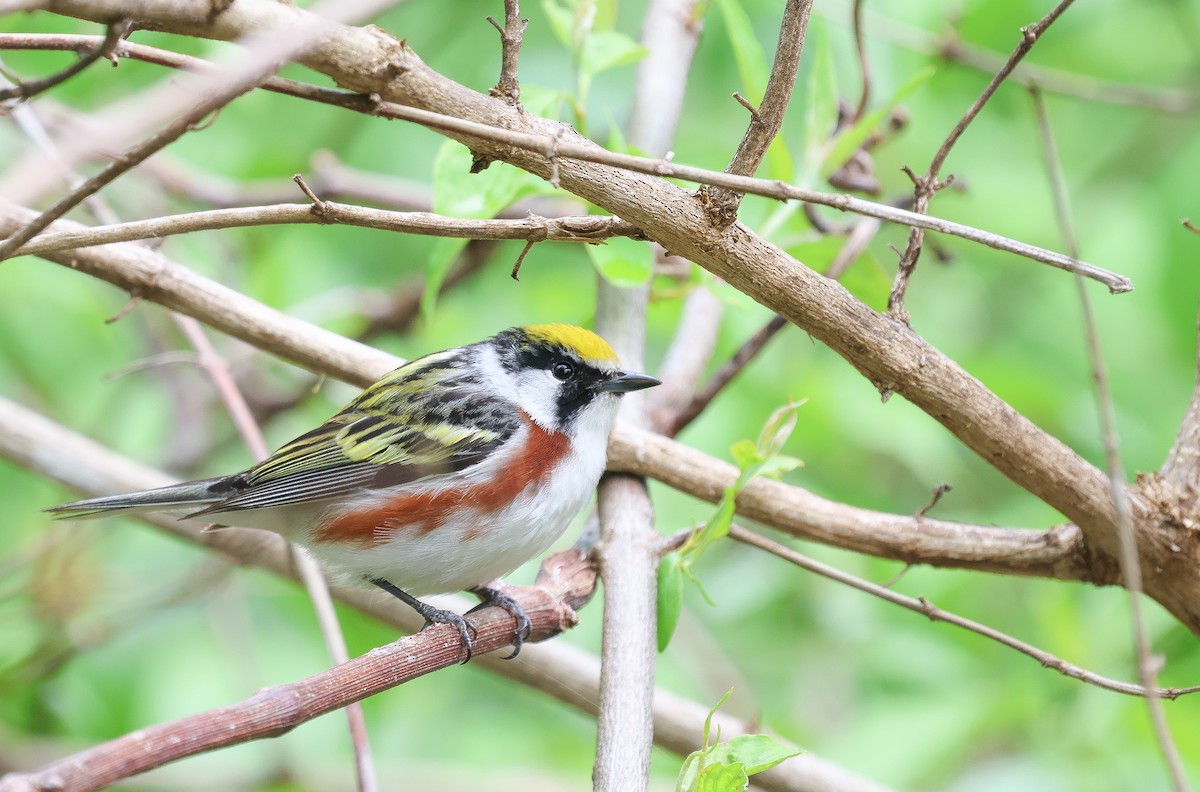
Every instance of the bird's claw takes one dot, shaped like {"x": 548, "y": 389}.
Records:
{"x": 490, "y": 596}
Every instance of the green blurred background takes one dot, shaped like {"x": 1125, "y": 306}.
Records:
{"x": 110, "y": 626}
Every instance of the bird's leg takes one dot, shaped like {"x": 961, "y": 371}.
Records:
{"x": 490, "y": 596}
{"x": 430, "y": 614}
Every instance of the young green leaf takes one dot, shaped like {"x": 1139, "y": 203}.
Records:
{"x": 777, "y": 429}
{"x": 745, "y": 454}
{"x": 670, "y": 597}
{"x": 757, "y": 752}
{"x": 722, "y": 778}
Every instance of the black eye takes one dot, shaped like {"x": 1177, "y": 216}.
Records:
{"x": 562, "y": 371}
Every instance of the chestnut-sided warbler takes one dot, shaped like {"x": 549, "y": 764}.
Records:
{"x": 452, "y": 470}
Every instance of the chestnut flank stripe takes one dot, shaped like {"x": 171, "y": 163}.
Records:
{"x": 425, "y": 512}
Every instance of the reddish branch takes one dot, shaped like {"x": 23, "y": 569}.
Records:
{"x": 565, "y": 584}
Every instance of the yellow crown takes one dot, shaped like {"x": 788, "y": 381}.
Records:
{"x": 584, "y": 343}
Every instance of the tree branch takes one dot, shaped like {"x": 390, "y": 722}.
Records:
{"x": 928, "y": 185}
{"x": 546, "y": 146}
{"x": 934, "y": 613}
{"x": 1059, "y": 553}
{"x": 584, "y": 228}
{"x": 30, "y": 88}
{"x": 508, "y": 87}
{"x": 565, "y": 584}
{"x": 889, "y": 354}
{"x": 767, "y": 118}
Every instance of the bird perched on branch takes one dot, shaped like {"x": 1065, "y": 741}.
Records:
{"x": 452, "y": 470}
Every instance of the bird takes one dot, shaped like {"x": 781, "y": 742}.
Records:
{"x": 446, "y": 474}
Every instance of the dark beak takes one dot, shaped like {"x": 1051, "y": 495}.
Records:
{"x": 624, "y": 382}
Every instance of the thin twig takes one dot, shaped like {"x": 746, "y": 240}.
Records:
{"x": 559, "y": 148}
{"x": 864, "y": 65}
{"x": 1131, "y": 567}
{"x": 584, "y": 228}
{"x": 949, "y": 46}
{"x": 508, "y": 87}
{"x": 723, "y": 376}
{"x": 516, "y": 268}
{"x": 938, "y": 493}
{"x": 687, "y": 357}
{"x": 765, "y": 121}
{"x": 929, "y": 184}
{"x": 926, "y": 608}
{"x": 29, "y": 88}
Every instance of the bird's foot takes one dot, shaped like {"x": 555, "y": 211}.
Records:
{"x": 432, "y": 615}
{"x": 490, "y": 596}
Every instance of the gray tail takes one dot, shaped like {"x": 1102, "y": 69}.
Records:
{"x": 190, "y": 494}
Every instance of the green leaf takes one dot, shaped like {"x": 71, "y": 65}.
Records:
{"x": 777, "y": 465}
{"x": 670, "y": 597}
{"x": 777, "y": 429}
{"x": 849, "y": 140}
{"x": 745, "y": 454}
{"x": 623, "y": 262}
{"x": 459, "y": 193}
{"x": 718, "y": 526}
{"x": 757, "y": 752}
{"x": 722, "y": 778}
